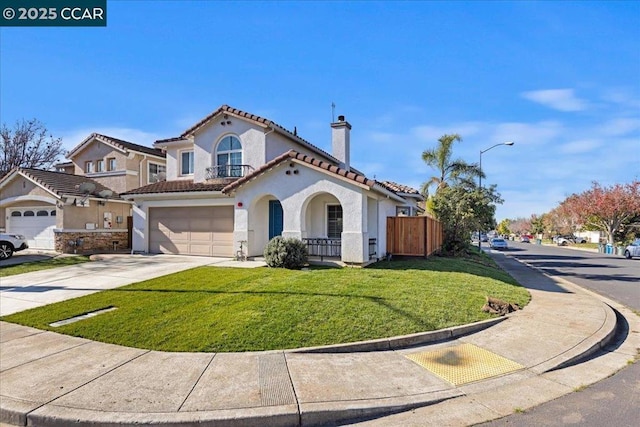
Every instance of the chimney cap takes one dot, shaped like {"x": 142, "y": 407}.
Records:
{"x": 341, "y": 118}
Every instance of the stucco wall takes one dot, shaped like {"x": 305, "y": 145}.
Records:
{"x": 173, "y": 151}
{"x": 76, "y": 218}
{"x": 22, "y": 187}
{"x": 206, "y": 141}
{"x": 278, "y": 144}
{"x": 299, "y": 192}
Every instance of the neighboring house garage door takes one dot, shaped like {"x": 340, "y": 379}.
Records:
{"x": 36, "y": 224}
{"x": 204, "y": 230}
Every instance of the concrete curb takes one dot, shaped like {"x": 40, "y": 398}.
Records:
{"x": 403, "y": 341}
{"x": 591, "y": 344}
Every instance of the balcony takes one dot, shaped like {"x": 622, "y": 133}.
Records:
{"x": 227, "y": 172}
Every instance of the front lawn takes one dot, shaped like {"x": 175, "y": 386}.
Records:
{"x": 232, "y": 309}
{"x": 27, "y": 267}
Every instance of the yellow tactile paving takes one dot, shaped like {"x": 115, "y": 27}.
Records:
{"x": 464, "y": 363}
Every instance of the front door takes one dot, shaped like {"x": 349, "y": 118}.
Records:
{"x": 275, "y": 219}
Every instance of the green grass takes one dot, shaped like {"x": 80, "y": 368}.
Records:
{"x": 27, "y": 267}
{"x": 233, "y": 309}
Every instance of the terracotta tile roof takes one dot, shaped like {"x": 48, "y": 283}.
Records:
{"x": 177, "y": 186}
{"x": 292, "y": 154}
{"x": 130, "y": 145}
{"x": 252, "y": 117}
{"x": 398, "y": 188}
{"x": 122, "y": 144}
{"x": 62, "y": 183}
{"x": 176, "y": 138}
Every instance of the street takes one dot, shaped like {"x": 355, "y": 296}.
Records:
{"x": 614, "y": 401}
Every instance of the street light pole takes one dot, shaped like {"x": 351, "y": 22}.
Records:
{"x": 480, "y": 182}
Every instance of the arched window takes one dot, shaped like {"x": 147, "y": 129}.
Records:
{"x": 42, "y": 213}
{"x": 29, "y": 213}
{"x": 16, "y": 213}
{"x": 229, "y": 157}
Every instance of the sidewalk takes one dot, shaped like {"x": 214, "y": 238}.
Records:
{"x": 56, "y": 380}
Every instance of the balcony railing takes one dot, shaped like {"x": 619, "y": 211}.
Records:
{"x": 324, "y": 247}
{"x": 227, "y": 171}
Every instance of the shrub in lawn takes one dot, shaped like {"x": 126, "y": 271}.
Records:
{"x": 286, "y": 253}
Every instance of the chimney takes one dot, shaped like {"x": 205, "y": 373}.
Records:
{"x": 340, "y": 143}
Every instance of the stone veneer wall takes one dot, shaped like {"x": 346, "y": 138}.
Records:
{"x": 92, "y": 241}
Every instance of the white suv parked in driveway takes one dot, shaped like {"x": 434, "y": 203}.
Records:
{"x": 10, "y": 243}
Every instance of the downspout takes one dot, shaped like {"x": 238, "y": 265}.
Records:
{"x": 140, "y": 171}
{"x": 378, "y": 228}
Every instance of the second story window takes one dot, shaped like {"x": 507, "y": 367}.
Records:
{"x": 229, "y": 157}
{"x": 100, "y": 166}
{"x": 186, "y": 163}
{"x": 88, "y": 167}
{"x": 111, "y": 164}
{"x": 155, "y": 172}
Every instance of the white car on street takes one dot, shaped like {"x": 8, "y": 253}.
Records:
{"x": 632, "y": 250}
{"x": 10, "y": 243}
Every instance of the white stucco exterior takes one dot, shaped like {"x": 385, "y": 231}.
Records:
{"x": 303, "y": 188}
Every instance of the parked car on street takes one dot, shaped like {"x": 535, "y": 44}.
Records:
{"x": 568, "y": 239}
{"x": 10, "y": 243}
{"x": 498, "y": 243}
{"x": 632, "y": 250}
{"x": 524, "y": 239}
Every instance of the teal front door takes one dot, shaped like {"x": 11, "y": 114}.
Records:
{"x": 275, "y": 219}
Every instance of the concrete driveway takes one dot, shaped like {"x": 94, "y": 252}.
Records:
{"x": 28, "y": 255}
{"x": 30, "y": 290}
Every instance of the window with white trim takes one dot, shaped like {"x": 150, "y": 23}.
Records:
{"x": 229, "y": 157}
{"x": 111, "y": 164}
{"x": 154, "y": 170}
{"x": 100, "y": 166}
{"x": 186, "y": 163}
{"x": 88, "y": 167}
{"x": 334, "y": 221}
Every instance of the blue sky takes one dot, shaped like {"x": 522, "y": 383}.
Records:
{"x": 561, "y": 79}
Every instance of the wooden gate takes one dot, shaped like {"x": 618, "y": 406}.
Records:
{"x": 413, "y": 235}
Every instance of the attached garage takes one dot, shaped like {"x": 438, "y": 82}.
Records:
{"x": 35, "y": 223}
{"x": 203, "y": 230}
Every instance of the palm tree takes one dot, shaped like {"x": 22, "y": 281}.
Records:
{"x": 439, "y": 158}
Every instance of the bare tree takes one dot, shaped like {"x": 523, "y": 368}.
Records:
{"x": 28, "y": 145}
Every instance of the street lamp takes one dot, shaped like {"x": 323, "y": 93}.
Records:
{"x": 480, "y": 183}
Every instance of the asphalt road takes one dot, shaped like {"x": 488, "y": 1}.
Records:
{"x": 614, "y": 401}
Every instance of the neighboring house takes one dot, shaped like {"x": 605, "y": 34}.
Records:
{"x": 235, "y": 180}
{"x": 60, "y": 211}
{"x": 79, "y": 203}
{"x": 117, "y": 164}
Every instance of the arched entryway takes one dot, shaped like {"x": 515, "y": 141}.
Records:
{"x": 266, "y": 221}
{"x": 322, "y": 225}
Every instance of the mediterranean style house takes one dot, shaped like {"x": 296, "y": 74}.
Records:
{"x": 235, "y": 180}
{"x": 78, "y": 207}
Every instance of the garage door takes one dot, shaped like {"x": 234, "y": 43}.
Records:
{"x": 36, "y": 224}
{"x": 204, "y": 230}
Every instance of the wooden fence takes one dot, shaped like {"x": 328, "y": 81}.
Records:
{"x": 413, "y": 235}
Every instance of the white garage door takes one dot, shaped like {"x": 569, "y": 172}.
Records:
{"x": 203, "y": 230}
{"x": 36, "y": 224}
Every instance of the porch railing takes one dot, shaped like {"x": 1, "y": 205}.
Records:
{"x": 227, "y": 171}
{"x": 323, "y": 247}
{"x": 372, "y": 247}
